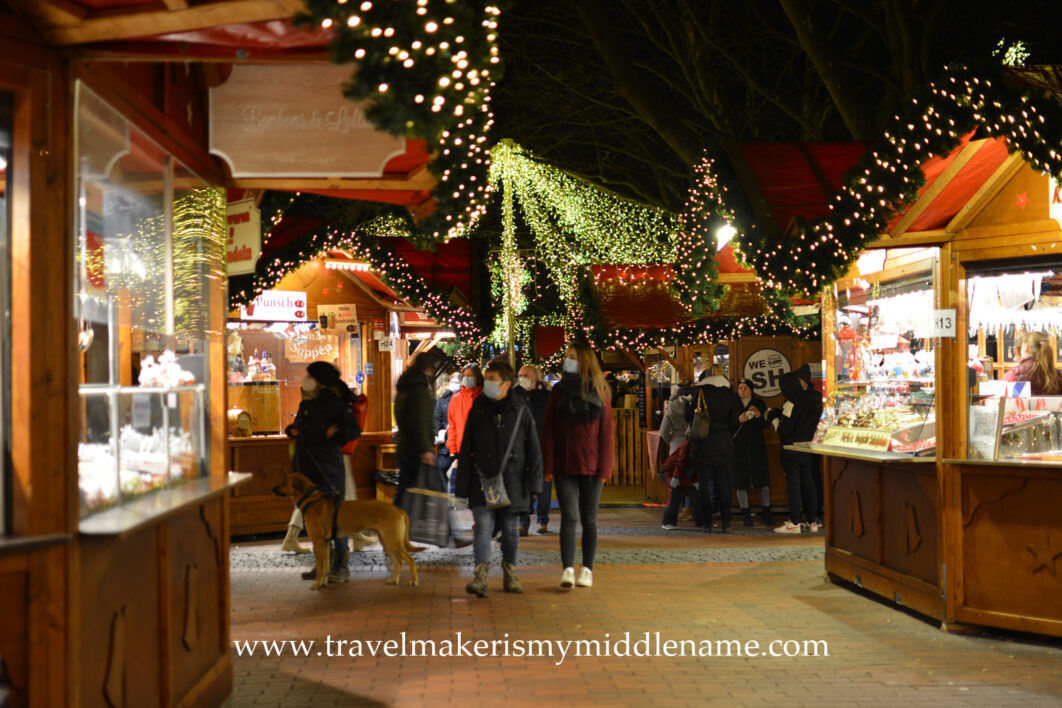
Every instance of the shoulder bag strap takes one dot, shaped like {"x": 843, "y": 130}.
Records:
{"x": 512, "y": 438}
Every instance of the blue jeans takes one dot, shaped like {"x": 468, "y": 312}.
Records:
{"x": 579, "y": 496}
{"x": 485, "y": 519}
{"x": 799, "y": 470}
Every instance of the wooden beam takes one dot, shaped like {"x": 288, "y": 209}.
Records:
{"x": 167, "y": 54}
{"x": 174, "y": 5}
{"x": 61, "y": 13}
{"x": 913, "y": 238}
{"x": 737, "y": 278}
{"x": 422, "y": 181}
{"x": 986, "y": 193}
{"x": 670, "y": 359}
{"x": 634, "y": 360}
{"x": 104, "y": 28}
{"x": 934, "y": 190}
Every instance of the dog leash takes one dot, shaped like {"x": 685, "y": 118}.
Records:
{"x": 324, "y": 495}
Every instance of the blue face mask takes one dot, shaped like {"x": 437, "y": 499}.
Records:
{"x": 492, "y": 389}
{"x": 571, "y": 366}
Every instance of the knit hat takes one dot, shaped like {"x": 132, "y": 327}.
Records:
{"x": 324, "y": 373}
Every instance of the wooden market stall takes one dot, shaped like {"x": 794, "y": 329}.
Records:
{"x": 366, "y": 332}
{"x": 114, "y": 561}
{"x": 944, "y": 499}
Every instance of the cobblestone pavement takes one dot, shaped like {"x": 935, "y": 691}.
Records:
{"x": 702, "y": 588}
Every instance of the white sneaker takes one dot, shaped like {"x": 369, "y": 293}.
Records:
{"x": 810, "y": 528}
{"x": 788, "y": 527}
{"x": 669, "y": 527}
{"x": 586, "y": 578}
{"x": 567, "y": 578}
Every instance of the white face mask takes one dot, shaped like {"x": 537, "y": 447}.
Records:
{"x": 526, "y": 383}
{"x": 454, "y": 386}
{"x": 571, "y": 366}
{"x": 469, "y": 382}
{"x": 309, "y": 384}
{"x": 492, "y": 389}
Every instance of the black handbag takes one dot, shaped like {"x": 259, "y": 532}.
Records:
{"x": 429, "y": 511}
{"x": 701, "y": 424}
{"x": 494, "y": 492}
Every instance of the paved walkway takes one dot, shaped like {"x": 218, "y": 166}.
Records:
{"x": 687, "y": 586}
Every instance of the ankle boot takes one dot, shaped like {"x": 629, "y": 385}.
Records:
{"x": 510, "y": 583}
{"x": 765, "y": 514}
{"x": 340, "y": 572}
{"x": 746, "y": 513}
{"x": 291, "y": 541}
{"x": 478, "y": 586}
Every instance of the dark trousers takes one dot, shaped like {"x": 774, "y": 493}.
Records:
{"x": 799, "y": 471}
{"x": 408, "y": 471}
{"x": 675, "y": 502}
{"x": 578, "y": 496}
{"x": 714, "y": 476}
{"x": 485, "y": 521}
{"x": 541, "y": 503}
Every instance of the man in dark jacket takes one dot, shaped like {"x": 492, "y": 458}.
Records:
{"x": 712, "y": 455}
{"x": 413, "y": 415}
{"x": 796, "y": 422}
{"x": 534, "y": 391}
{"x": 496, "y": 418}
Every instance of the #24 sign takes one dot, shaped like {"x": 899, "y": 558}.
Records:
{"x": 764, "y": 368}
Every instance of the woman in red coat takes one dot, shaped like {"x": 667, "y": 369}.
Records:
{"x": 577, "y": 452}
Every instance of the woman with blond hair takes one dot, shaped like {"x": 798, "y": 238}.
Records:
{"x": 577, "y": 452}
{"x": 1037, "y": 366}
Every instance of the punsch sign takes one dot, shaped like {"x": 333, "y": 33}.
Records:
{"x": 291, "y": 120}
{"x": 764, "y": 368}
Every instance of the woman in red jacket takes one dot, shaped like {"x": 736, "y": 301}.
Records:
{"x": 460, "y": 404}
{"x": 577, "y": 452}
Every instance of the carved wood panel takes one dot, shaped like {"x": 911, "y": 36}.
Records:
{"x": 853, "y": 512}
{"x": 1012, "y": 545}
{"x": 909, "y": 520}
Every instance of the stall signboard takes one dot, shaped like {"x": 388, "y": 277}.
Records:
{"x": 315, "y": 346}
{"x": 291, "y": 120}
{"x": 245, "y": 237}
{"x": 342, "y": 318}
{"x": 276, "y": 306}
{"x": 764, "y": 368}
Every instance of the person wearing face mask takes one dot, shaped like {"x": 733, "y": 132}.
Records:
{"x": 460, "y": 405}
{"x": 443, "y": 458}
{"x": 323, "y": 424}
{"x": 578, "y": 437}
{"x": 750, "y": 466}
{"x": 498, "y": 421}
{"x": 535, "y": 391}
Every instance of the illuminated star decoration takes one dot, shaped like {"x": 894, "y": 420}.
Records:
{"x": 1022, "y": 200}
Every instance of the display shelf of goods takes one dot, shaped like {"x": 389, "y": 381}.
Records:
{"x": 157, "y": 444}
{"x": 881, "y": 419}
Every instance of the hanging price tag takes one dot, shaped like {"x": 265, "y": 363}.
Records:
{"x": 944, "y": 323}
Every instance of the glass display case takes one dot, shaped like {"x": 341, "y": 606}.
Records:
{"x": 882, "y": 397}
{"x": 150, "y": 238}
{"x": 1015, "y": 394}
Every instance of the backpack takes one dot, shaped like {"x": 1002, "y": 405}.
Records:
{"x": 702, "y": 421}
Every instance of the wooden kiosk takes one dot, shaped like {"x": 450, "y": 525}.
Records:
{"x": 368, "y": 356}
{"x": 114, "y": 563}
{"x": 956, "y": 515}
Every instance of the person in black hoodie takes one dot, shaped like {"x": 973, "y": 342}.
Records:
{"x": 796, "y": 422}
{"x": 496, "y": 418}
{"x": 713, "y": 455}
{"x": 413, "y": 415}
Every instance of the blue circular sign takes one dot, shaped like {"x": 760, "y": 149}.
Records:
{"x": 359, "y": 378}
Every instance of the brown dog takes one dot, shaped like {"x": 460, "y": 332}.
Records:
{"x": 389, "y": 522}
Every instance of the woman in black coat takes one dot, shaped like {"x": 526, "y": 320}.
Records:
{"x": 751, "y": 469}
